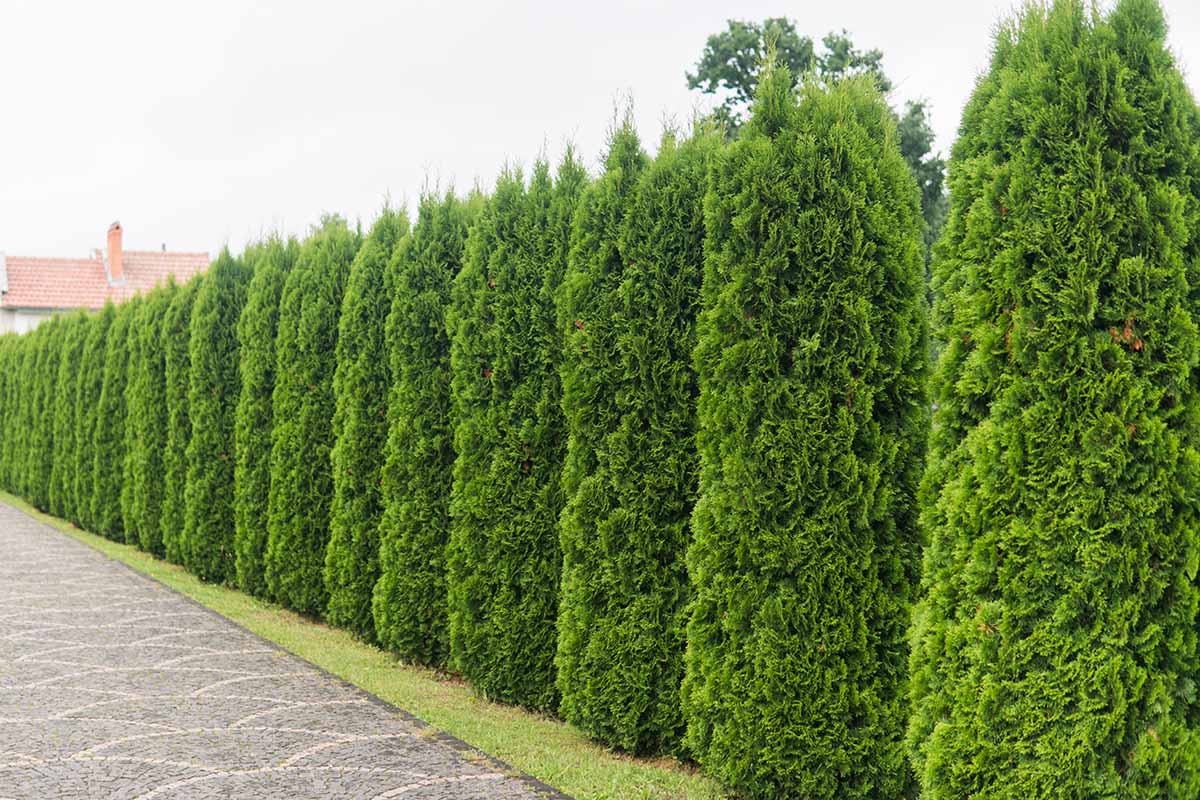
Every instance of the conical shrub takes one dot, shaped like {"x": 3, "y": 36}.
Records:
{"x": 503, "y": 557}
{"x": 175, "y": 339}
{"x": 257, "y": 329}
{"x": 214, "y": 385}
{"x": 108, "y": 457}
{"x": 409, "y": 599}
{"x": 629, "y": 392}
{"x": 146, "y": 423}
{"x": 303, "y": 408}
{"x": 361, "y": 385}
{"x": 41, "y": 453}
{"x": 1055, "y": 643}
{"x": 811, "y": 356}
{"x": 66, "y": 406}
{"x": 90, "y": 382}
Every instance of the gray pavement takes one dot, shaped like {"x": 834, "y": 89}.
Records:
{"x": 113, "y": 686}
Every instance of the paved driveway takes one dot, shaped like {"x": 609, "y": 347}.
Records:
{"x": 113, "y": 686}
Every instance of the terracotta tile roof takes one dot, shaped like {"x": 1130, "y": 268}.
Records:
{"x": 62, "y": 283}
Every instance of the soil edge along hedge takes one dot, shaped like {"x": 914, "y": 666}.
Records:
{"x": 214, "y": 385}
{"x": 811, "y": 355}
{"x": 361, "y": 385}
{"x": 1055, "y": 644}
{"x": 257, "y": 329}
{"x": 629, "y": 392}
{"x": 302, "y": 409}
{"x": 408, "y": 603}
{"x": 176, "y": 345}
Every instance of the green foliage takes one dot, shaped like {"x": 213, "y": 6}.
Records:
{"x": 811, "y": 358}
{"x": 253, "y": 418}
{"x": 90, "y": 382}
{"x": 66, "y": 405}
{"x": 146, "y": 423}
{"x": 1055, "y": 643}
{"x": 303, "y": 408}
{"x": 108, "y": 449}
{"x": 409, "y": 599}
{"x": 214, "y": 385}
{"x": 14, "y": 458}
{"x": 629, "y": 392}
{"x": 10, "y": 352}
{"x": 361, "y": 384}
{"x": 503, "y": 556}
{"x": 175, "y": 339}
{"x": 41, "y": 420}
{"x": 732, "y": 59}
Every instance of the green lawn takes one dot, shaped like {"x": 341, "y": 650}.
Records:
{"x": 545, "y": 748}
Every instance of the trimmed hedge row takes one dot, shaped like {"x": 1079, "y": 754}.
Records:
{"x": 647, "y": 451}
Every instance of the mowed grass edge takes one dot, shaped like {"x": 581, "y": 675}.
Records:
{"x": 545, "y": 748}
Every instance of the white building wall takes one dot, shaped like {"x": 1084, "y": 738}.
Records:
{"x": 22, "y": 320}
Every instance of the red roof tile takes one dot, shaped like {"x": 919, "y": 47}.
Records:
{"x": 62, "y": 283}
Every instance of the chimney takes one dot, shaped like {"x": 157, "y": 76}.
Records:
{"x": 114, "y": 262}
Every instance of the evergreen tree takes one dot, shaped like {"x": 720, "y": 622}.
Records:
{"x": 175, "y": 339}
{"x": 41, "y": 420}
{"x": 811, "y": 350}
{"x": 361, "y": 384}
{"x": 1055, "y": 643}
{"x": 629, "y": 393}
{"x": 409, "y": 599}
{"x": 90, "y": 382}
{"x": 108, "y": 449}
{"x": 14, "y": 460}
{"x": 146, "y": 423}
{"x": 213, "y": 388}
{"x": 253, "y": 419}
{"x": 66, "y": 405}
{"x": 303, "y": 407}
{"x": 9, "y": 397}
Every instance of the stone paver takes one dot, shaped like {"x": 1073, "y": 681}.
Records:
{"x": 113, "y": 686}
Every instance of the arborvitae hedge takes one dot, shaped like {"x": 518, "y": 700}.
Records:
{"x": 108, "y": 454}
{"x": 361, "y": 385}
{"x": 502, "y": 558}
{"x": 811, "y": 357}
{"x": 409, "y": 600}
{"x": 66, "y": 405}
{"x": 9, "y": 396}
{"x": 14, "y": 457}
{"x": 214, "y": 385}
{"x": 253, "y": 418}
{"x": 629, "y": 392}
{"x": 175, "y": 339}
{"x": 41, "y": 451}
{"x": 303, "y": 407}
{"x": 146, "y": 423}
{"x": 1055, "y": 645}
{"x": 90, "y": 381}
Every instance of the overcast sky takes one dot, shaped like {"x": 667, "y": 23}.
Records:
{"x": 201, "y": 124}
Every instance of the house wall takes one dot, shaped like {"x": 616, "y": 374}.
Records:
{"x": 22, "y": 320}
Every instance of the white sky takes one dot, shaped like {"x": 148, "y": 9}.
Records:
{"x": 204, "y": 123}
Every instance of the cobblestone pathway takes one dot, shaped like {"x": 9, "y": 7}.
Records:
{"x": 113, "y": 686}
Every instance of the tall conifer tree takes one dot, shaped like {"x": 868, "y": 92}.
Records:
{"x": 629, "y": 391}
{"x": 409, "y": 599}
{"x": 257, "y": 328}
{"x": 66, "y": 405}
{"x": 214, "y": 385}
{"x": 175, "y": 337}
{"x": 1055, "y": 643}
{"x": 302, "y": 408}
{"x": 361, "y": 385}
{"x": 90, "y": 382}
{"x": 811, "y": 357}
{"x": 108, "y": 457}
